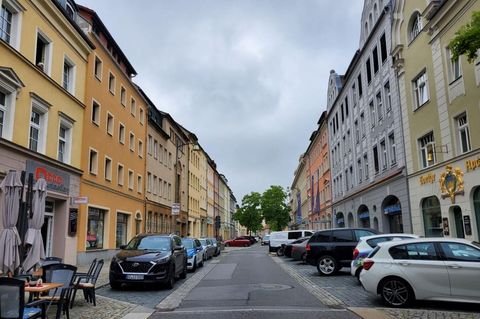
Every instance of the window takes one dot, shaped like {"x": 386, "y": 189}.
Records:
{"x": 369, "y": 71}
{"x": 141, "y": 116}
{"x": 120, "y": 174}
{"x": 420, "y": 251}
{"x": 375, "y": 159}
{"x": 111, "y": 83}
{"x": 460, "y": 252}
{"x": 454, "y": 68}
{"x": 93, "y": 162}
{"x": 123, "y": 96}
{"x": 357, "y": 132}
{"x": 64, "y": 141}
{"x": 359, "y": 80}
{"x": 415, "y": 26}
{"x": 427, "y": 146}
{"x": 132, "y": 142}
{"x": 139, "y": 184}
{"x": 70, "y": 11}
{"x": 110, "y": 124}
{"x": 154, "y": 185}
{"x": 3, "y": 112}
{"x": 95, "y": 228}
{"x": 38, "y": 125}
{"x": 388, "y": 97}
{"x": 121, "y": 133}
{"x": 42, "y": 53}
{"x": 140, "y": 148}
{"x": 149, "y": 144}
{"x": 10, "y": 18}
{"x": 393, "y": 148}
{"x": 375, "y": 60}
{"x": 155, "y": 149}
{"x": 372, "y": 114}
{"x": 360, "y": 171}
{"x": 133, "y": 107}
{"x": 6, "y": 17}
{"x": 149, "y": 182}
{"x": 68, "y": 75}
{"x": 383, "y": 48}
{"x": 108, "y": 169}
{"x": 420, "y": 88}
{"x": 365, "y": 162}
{"x": 122, "y": 226}
{"x": 379, "y": 106}
{"x": 463, "y": 133}
{"x": 362, "y": 124}
{"x": 383, "y": 149}
{"x": 354, "y": 95}
{"x": 96, "y": 113}
{"x": 342, "y": 236}
{"x": 98, "y": 68}
{"x": 130, "y": 179}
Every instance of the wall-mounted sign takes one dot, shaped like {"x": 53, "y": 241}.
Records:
{"x": 472, "y": 165}
{"x": 72, "y": 221}
{"x": 57, "y": 180}
{"x": 79, "y": 200}
{"x": 468, "y": 225}
{"x": 451, "y": 183}
{"x": 175, "y": 209}
{"x": 427, "y": 179}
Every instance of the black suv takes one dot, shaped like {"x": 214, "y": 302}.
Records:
{"x": 149, "y": 258}
{"x": 332, "y": 249}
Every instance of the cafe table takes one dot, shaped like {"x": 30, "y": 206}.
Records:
{"x": 44, "y": 287}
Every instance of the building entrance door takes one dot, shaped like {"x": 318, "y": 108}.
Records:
{"x": 47, "y": 227}
{"x": 457, "y": 215}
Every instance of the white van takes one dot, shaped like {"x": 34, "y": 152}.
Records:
{"x": 279, "y": 238}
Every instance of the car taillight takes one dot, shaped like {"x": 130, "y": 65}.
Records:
{"x": 307, "y": 248}
{"x": 367, "y": 264}
{"x": 355, "y": 253}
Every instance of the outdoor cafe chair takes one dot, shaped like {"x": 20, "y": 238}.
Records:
{"x": 12, "y": 301}
{"x": 64, "y": 274}
{"x": 50, "y": 261}
{"x": 87, "y": 283}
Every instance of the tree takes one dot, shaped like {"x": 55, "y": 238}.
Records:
{"x": 467, "y": 39}
{"x": 274, "y": 208}
{"x": 249, "y": 214}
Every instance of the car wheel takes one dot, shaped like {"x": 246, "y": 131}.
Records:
{"x": 227, "y": 245}
{"x": 171, "y": 277}
{"x": 280, "y": 251}
{"x": 115, "y": 285}
{"x": 200, "y": 264}
{"x": 357, "y": 273}
{"x": 194, "y": 267}
{"x": 183, "y": 274}
{"x": 245, "y": 245}
{"x": 396, "y": 292}
{"x": 327, "y": 265}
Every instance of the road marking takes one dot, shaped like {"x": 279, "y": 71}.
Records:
{"x": 276, "y": 309}
{"x": 321, "y": 294}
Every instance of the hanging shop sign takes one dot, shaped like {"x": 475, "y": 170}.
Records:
{"x": 451, "y": 183}
{"x": 57, "y": 180}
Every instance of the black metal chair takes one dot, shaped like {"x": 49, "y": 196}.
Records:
{"x": 87, "y": 283}
{"x": 50, "y": 261}
{"x": 12, "y": 301}
{"x": 64, "y": 274}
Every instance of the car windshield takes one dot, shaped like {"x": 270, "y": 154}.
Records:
{"x": 188, "y": 243}
{"x": 204, "y": 242}
{"x": 266, "y": 237}
{"x": 149, "y": 243}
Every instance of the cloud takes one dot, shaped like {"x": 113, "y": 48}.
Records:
{"x": 249, "y": 78}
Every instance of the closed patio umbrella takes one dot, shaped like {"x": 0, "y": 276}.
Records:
{"x": 34, "y": 232}
{"x": 10, "y": 190}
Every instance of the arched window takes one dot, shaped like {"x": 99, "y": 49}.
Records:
{"x": 432, "y": 217}
{"x": 415, "y": 26}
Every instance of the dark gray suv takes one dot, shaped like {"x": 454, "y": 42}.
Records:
{"x": 332, "y": 249}
{"x": 149, "y": 258}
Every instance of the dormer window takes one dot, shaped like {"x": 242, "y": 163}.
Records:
{"x": 70, "y": 11}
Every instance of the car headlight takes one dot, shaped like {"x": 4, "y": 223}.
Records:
{"x": 162, "y": 260}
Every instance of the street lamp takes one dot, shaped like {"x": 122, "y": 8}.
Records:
{"x": 177, "y": 205}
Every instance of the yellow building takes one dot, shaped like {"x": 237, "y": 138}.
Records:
{"x": 197, "y": 192}
{"x": 43, "y": 60}
{"x": 113, "y": 152}
{"x": 211, "y": 171}
{"x": 440, "y": 107}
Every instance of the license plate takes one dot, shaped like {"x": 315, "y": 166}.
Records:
{"x": 135, "y": 277}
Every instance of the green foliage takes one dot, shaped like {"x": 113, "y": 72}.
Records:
{"x": 249, "y": 215}
{"x": 274, "y": 208}
{"x": 467, "y": 39}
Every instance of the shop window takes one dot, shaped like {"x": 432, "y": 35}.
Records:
{"x": 122, "y": 226}
{"x": 432, "y": 217}
{"x": 95, "y": 228}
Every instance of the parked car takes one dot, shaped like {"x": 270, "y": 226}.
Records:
{"x": 287, "y": 249}
{"x": 423, "y": 269}
{"x": 208, "y": 247}
{"x": 217, "y": 246}
{"x": 331, "y": 249}
{"x": 149, "y": 258}
{"x": 250, "y": 238}
{"x": 195, "y": 253}
{"x": 238, "y": 242}
{"x": 299, "y": 251}
{"x": 367, "y": 244}
{"x": 265, "y": 240}
{"x": 279, "y": 238}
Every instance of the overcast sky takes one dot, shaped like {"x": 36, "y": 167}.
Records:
{"x": 249, "y": 78}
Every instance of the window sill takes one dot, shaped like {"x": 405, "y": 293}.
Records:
{"x": 455, "y": 80}
{"x": 421, "y": 106}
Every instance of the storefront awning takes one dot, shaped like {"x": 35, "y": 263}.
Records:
{"x": 392, "y": 209}
{"x": 364, "y": 215}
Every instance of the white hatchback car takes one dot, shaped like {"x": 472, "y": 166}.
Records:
{"x": 445, "y": 269}
{"x": 367, "y": 244}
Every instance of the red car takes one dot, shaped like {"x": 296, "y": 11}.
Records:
{"x": 238, "y": 242}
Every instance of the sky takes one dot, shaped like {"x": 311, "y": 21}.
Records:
{"x": 248, "y": 77}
